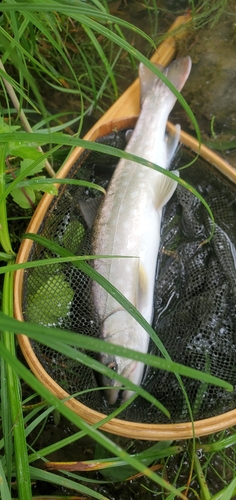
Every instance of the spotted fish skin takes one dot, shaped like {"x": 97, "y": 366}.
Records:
{"x": 129, "y": 221}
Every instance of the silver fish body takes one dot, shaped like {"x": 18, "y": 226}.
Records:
{"x": 128, "y": 224}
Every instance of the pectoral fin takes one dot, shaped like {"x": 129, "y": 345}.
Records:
{"x": 166, "y": 189}
{"x": 143, "y": 280}
{"x": 142, "y": 289}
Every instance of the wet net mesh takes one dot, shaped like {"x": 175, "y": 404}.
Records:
{"x": 195, "y": 290}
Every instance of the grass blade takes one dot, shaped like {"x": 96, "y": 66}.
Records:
{"x": 205, "y": 494}
{"x": 79, "y": 422}
{"x": 226, "y": 493}
{"x": 165, "y": 364}
{"x": 4, "y": 233}
{"x": 14, "y": 395}
{"x": 4, "y": 490}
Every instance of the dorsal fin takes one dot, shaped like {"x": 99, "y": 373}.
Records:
{"x": 89, "y": 209}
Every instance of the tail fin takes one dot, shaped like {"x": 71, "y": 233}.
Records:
{"x": 177, "y": 72}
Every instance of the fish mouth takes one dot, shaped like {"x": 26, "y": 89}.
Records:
{"x": 113, "y": 394}
{"x": 117, "y": 395}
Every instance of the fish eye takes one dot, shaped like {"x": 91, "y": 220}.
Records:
{"x": 112, "y": 365}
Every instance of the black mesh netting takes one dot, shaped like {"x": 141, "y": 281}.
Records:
{"x": 195, "y": 293}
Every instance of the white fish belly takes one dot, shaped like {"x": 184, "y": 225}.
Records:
{"x": 129, "y": 220}
{"x": 129, "y": 227}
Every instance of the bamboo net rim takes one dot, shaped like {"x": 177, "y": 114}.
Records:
{"x": 117, "y": 426}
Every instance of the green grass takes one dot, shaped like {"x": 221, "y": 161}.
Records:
{"x": 75, "y": 48}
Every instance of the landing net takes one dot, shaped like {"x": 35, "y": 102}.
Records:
{"x": 195, "y": 290}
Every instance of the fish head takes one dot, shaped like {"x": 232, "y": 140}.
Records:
{"x": 121, "y": 329}
{"x": 128, "y": 368}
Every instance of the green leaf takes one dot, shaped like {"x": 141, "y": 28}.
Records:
{"x": 229, "y": 492}
{"x": 5, "y": 128}
{"x": 221, "y": 145}
{"x": 24, "y": 164}
{"x": 24, "y": 151}
{"x": 46, "y": 188}
{"x": 20, "y": 197}
{"x": 73, "y": 235}
{"x": 59, "y": 302}
{"x": 121, "y": 471}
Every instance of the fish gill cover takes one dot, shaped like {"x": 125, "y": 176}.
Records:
{"x": 195, "y": 290}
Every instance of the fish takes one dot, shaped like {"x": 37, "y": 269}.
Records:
{"x": 128, "y": 225}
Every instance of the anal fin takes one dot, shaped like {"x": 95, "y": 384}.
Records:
{"x": 172, "y": 141}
